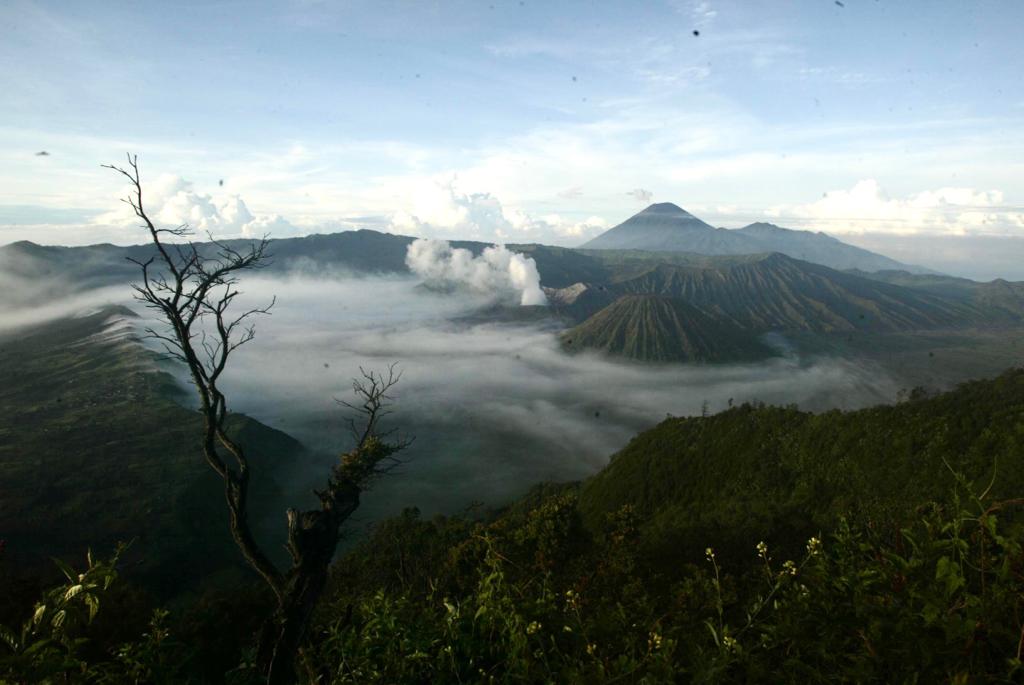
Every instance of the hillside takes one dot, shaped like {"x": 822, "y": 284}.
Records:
{"x": 827, "y": 547}
{"x": 652, "y": 328}
{"x": 666, "y": 227}
{"x": 820, "y": 248}
{"x": 54, "y": 270}
{"x": 754, "y": 473}
{"x": 96, "y": 448}
{"x": 724, "y": 548}
{"x": 778, "y": 292}
{"x": 741, "y": 297}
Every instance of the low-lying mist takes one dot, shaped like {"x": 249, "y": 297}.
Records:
{"x": 494, "y": 408}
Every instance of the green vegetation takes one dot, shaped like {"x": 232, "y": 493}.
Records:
{"x": 96, "y": 448}
{"x": 761, "y": 544}
{"x": 778, "y": 292}
{"x": 775, "y": 473}
{"x": 995, "y": 296}
{"x": 660, "y": 329}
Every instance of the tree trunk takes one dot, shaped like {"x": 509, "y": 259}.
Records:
{"x": 312, "y": 540}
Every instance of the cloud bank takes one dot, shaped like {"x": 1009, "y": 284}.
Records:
{"x": 171, "y": 201}
{"x": 494, "y": 408}
{"x": 435, "y": 207}
{"x": 497, "y": 271}
{"x": 868, "y": 208}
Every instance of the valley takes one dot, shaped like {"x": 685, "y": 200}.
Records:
{"x": 677, "y": 342}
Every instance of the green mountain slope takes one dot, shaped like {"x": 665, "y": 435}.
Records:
{"x": 723, "y": 549}
{"x": 662, "y": 329}
{"x": 755, "y": 294}
{"x": 96, "y": 449}
{"x": 752, "y": 473}
{"x": 777, "y": 292}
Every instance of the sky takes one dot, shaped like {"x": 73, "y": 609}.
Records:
{"x": 898, "y": 126}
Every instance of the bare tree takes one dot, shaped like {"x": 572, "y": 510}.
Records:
{"x": 192, "y": 289}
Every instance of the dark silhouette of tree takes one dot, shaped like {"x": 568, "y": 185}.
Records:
{"x": 192, "y": 288}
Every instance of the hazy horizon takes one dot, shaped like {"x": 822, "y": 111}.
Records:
{"x": 520, "y": 122}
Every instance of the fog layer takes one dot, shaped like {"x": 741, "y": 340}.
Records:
{"x": 494, "y": 408}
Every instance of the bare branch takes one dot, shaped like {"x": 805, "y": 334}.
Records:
{"x": 193, "y": 289}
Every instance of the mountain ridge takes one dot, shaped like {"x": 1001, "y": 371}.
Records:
{"x": 653, "y": 328}
{"x": 669, "y": 228}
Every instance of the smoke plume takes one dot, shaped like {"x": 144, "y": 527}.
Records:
{"x": 497, "y": 271}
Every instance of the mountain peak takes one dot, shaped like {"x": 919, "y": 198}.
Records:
{"x": 763, "y": 226}
{"x": 662, "y": 226}
{"x": 665, "y": 209}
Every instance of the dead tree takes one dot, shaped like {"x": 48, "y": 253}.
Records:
{"x": 192, "y": 288}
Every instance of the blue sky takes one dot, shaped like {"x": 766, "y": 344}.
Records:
{"x": 515, "y": 121}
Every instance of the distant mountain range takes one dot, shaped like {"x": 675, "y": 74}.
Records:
{"x": 665, "y": 227}
{"x": 716, "y": 308}
{"x": 676, "y": 306}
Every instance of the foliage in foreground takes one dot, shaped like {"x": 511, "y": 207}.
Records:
{"x": 938, "y": 601}
{"x": 818, "y": 569}
{"x": 527, "y": 598}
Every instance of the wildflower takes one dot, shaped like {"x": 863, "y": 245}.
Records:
{"x": 532, "y": 628}
{"x": 789, "y": 567}
{"x": 654, "y": 641}
{"x": 730, "y": 643}
{"x": 762, "y": 549}
{"x": 710, "y": 554}
{"x": 591, "y": 648}
{"x": 814, "y": 547}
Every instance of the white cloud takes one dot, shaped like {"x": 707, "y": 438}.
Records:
{"x": 866, "y": 207}
{"x": 171, "y": 201}
{"x": 641, "y": 195}
{"x": 703, "y": 14}
{"x": 438, "y": 209}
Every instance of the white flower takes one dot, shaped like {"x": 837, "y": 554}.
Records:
{"x": 814, "y": 547}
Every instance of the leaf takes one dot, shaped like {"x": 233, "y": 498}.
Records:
{"x": 38, "y": 646}
{"x": 94, "y": 606}
{"x": 37, "y": 616}
{"x": 714, "y": 633}
{"x": 72, "y": 592}
{"x": 65, "y": 569}
{"x": 9, "y": 638}
{"x": 947, "y": 572}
